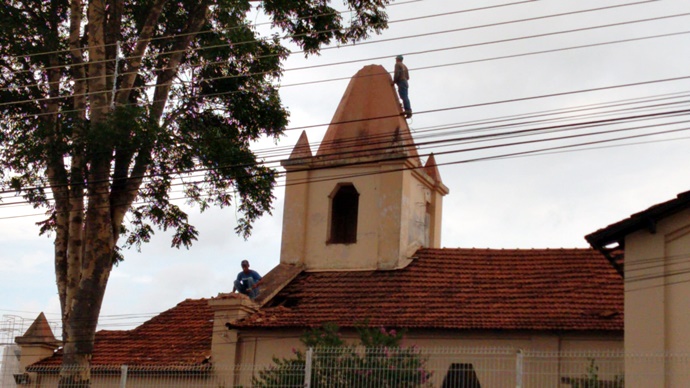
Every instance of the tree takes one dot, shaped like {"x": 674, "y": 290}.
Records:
{"x": 107, "y": 105}
{"x": 380, "y": 361}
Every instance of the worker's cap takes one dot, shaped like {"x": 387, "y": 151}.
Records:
{"x": 400, "y": 57}
{"x": 245, "y": 263}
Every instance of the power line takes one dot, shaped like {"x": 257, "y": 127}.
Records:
{"x": 455, "y": 141}
{"x": 251, "y": 25}
{"x": 656, "y": 262}
{"x": 508, "y": 156}
{"x": 283, "y": 37}
{"x": 374, "y": 58}
{"x": 531, "y": 132}
{"x": 345, "y": 46}
{"x": 367, "y": 119}
{"x": 494, "y": 103}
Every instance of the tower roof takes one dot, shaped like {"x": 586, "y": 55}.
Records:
{"x": 369, "y": 120}
{"x": 431, "y": 168}
{"x": 38, "y": 333}
{"x": 301, "y": 149}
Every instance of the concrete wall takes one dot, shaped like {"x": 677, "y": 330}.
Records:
{"x": 657, "y": 299}
{"x": 494, "y": 367}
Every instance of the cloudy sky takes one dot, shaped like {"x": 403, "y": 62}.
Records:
{"x": 476, "y": 67}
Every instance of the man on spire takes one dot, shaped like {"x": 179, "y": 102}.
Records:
{"x": 400, "y": 78}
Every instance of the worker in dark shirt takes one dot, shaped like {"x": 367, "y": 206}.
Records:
{"x": 247, "y": 281}
{"x": 400, "y": 78}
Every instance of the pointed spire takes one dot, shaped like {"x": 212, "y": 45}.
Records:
{"x": 38, "y": 333}
{"x": 302, "y": 149}
{"x": 369, "y": 120}
{"x": 431, "y": 168}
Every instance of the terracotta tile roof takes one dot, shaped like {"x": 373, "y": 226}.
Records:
{"x": 537, "y": 289}
{"x": 178, "y": 336}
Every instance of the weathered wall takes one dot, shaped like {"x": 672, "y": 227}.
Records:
{"x": 391, "y": 222}
{"x": 477, "y": 348}
{"x": 657, "y": 298}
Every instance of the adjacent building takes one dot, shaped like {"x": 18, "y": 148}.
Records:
{"x": 656, "y": 243}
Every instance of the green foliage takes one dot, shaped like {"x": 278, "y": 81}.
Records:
{"x": 223, "y": 97}
{"x": 109, "y": 109}
{"x": 380, "y": 361}
{"x": 592, "y": 380}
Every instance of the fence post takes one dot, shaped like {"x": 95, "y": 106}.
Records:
{"x": 518, "y": 368}
{"x": 307, "y": 368}
{"x": 123, "y": 376}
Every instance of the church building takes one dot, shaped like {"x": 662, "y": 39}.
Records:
{"x": 361, "y": 242}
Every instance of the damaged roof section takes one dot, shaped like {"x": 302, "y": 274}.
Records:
{"x": 275, "y": 280}
{"x": 536, "y": 289}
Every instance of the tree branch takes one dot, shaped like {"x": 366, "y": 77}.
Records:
{"x": 97, "y": 59}
{"x": 164, "y": 81}
{"x": 113, "y": 24}
{"x": 136, "y": 56}
{"x": 124, "y": 197}
{"x": 55, "y": 170}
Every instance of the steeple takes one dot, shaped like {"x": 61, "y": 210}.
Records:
{"x": 38, "y": 333}
{"x": 431, "y": 168}
{"x": 37, "y": 343}
{"x": 369, "y": 120}
{"x": 302, "y": 149}
{"x": 364, "y": 201}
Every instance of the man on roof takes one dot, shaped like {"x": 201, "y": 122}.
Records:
{"x": 247, "y": 281}
{"x": 400, "y": 78}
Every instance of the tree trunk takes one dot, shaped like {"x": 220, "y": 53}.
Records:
{"x": 90, "y": 244}
{"x": 83, "y": 308}
{"x": 91, "y": 236}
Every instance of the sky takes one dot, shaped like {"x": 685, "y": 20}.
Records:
{"x": 476, "y": 67}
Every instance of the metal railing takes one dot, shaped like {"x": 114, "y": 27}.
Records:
{"x": 397, "y": 367}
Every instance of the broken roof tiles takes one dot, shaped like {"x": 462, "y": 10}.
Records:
{"x": 537, "y": 289}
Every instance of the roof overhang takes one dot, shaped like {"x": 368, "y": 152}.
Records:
{"x": 611, "y": 240}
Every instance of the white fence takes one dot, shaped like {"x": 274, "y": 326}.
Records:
{"x": 392, "y": 367}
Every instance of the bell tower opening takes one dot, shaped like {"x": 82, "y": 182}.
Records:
{"x": 343, "y": 214}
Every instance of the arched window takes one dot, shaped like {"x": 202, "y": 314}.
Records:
{"x": 344, "y": 208}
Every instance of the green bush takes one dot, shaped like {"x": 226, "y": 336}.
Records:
{"x": 380, "y": 361}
